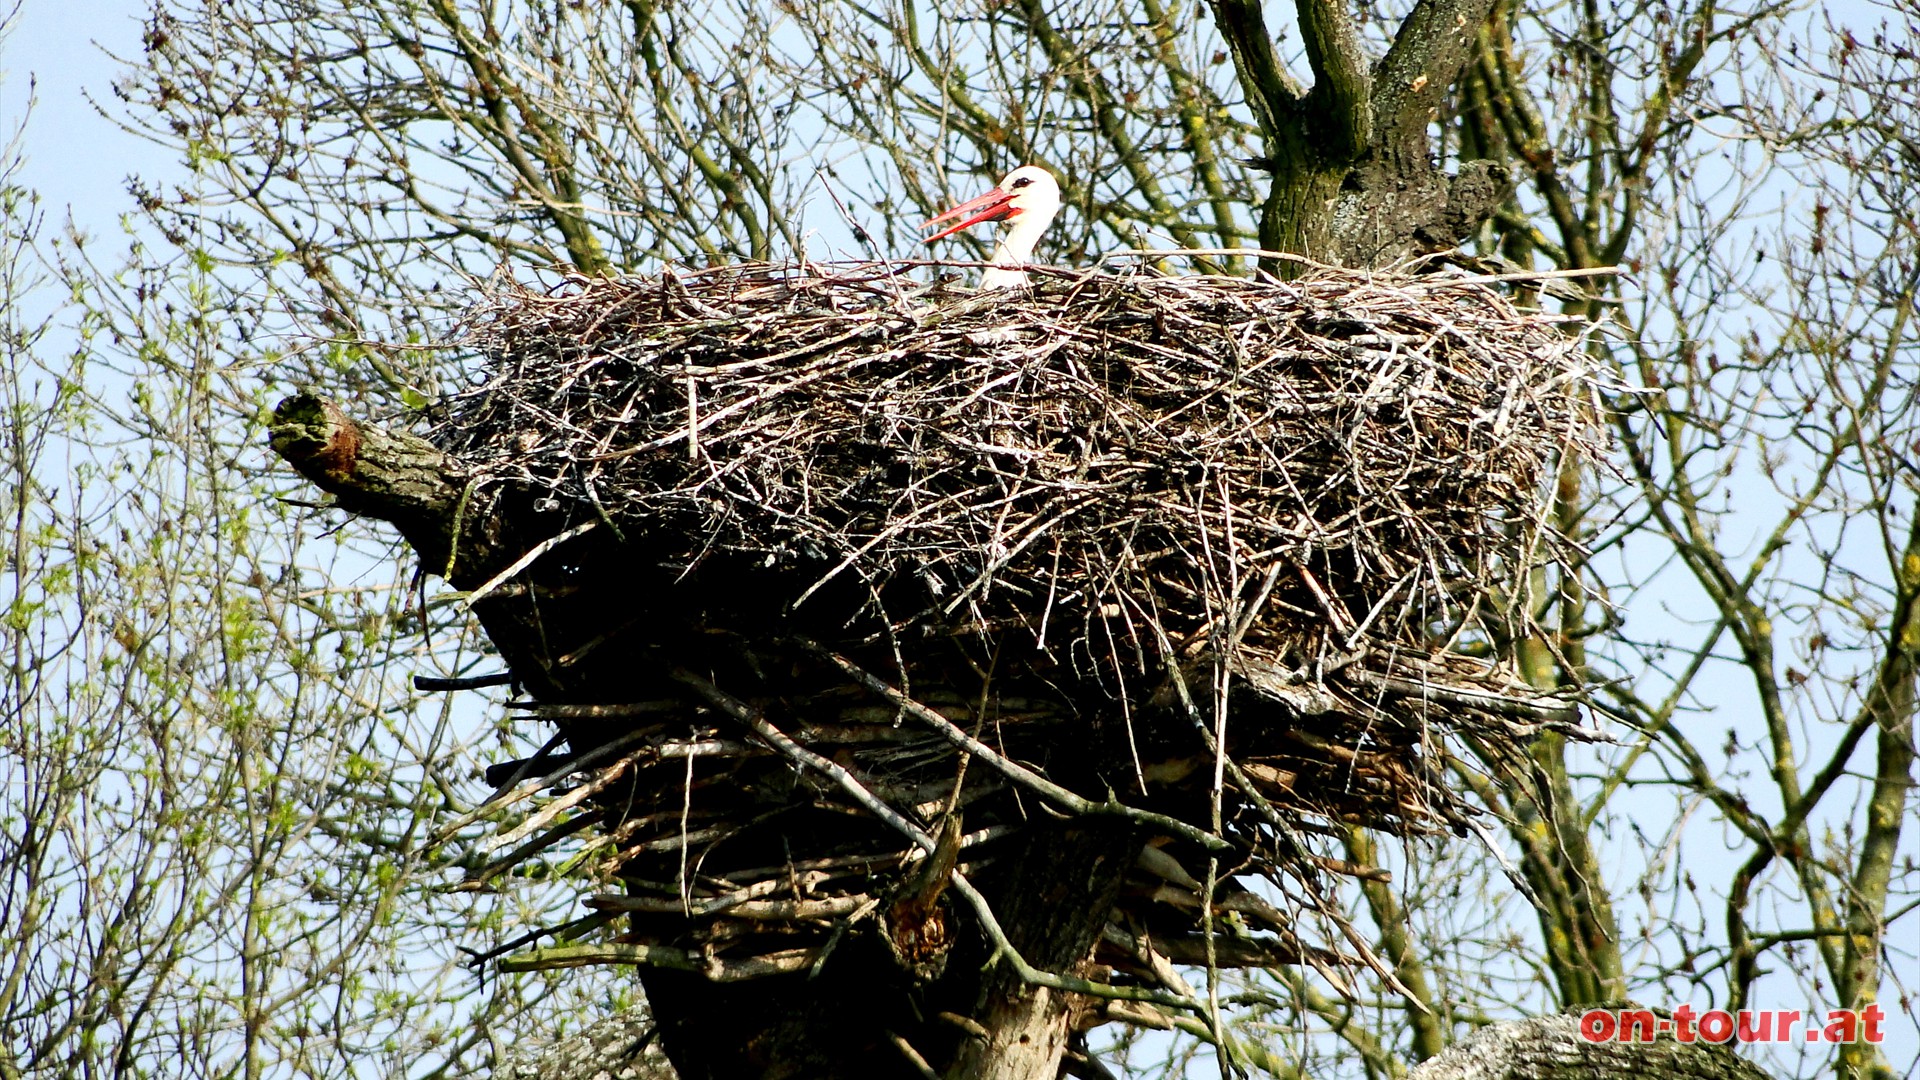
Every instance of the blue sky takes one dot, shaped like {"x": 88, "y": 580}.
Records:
{"x": 76, "y": 158}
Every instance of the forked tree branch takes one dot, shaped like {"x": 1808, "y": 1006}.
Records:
{"x": 1429, "y": 51}
{"x": 1269, "y": 90}
{"x": 1341, "y": 102}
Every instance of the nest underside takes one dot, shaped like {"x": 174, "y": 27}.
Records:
{"x": 1114, "y": 516}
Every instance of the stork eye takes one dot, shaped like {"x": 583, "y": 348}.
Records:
{"x": 1023, "y": 181}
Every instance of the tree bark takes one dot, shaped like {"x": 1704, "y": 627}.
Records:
{"x": 1354, "y": 178}
{"x": 864, "y": 1016}
{"x": 1552, "y": 1048}
{"x": 399, "y": 478}
{"x": 1053, "y": 906}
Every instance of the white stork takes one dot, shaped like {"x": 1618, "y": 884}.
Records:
{"x": 1027, "y": 198}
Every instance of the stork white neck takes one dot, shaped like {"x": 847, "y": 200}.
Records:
{"x": 1027, "y": 198}
{"x": 1014, "y": 250}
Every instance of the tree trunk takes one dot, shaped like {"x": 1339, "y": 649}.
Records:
{"x": 863, "y": 1016}
{"x": 1053, "y": 907}
{"x": 1354, "y": 177}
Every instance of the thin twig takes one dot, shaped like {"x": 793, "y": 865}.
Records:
{"x": 523, "y": 562}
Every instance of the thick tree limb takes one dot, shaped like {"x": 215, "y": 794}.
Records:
{"x": 1429, "y": 51}
{"x": 1891, "y": 704}
{"x": 1270, "y": 91}
{"x": 1341, "y": 103}
{"x": 1354, "y": 178}
{"x": 393, "y": 476}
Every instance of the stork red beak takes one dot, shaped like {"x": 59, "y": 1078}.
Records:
{"x": 993, "y": 206}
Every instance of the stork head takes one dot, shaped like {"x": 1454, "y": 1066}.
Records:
{"x": 1028, "y": 197}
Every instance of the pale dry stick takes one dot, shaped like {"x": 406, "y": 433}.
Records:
{"x": 583, "y": 711}
{"x": 1548, "y": 712}
{"x": 674, "y": 842}
{"x": 693, "y": 418}
{"x": 913, "y": 1056}
{"x": 753, "y": 890}
{"x": 571, "y": 799}
{"x": 1014, "y": 771}
{"x": 716, "y": 969}
{"x": 1336, "y": 613}
{"x": 1253, "y": 608}
{"x": 751, "y": 910}
{"x": 477, "y": 881}
{"x": 1126, "y": 699}
{"x": 573, "y": 765}
{"x": 524, "y": 561}
{"x": 686, "y": 814}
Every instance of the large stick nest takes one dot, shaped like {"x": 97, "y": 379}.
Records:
{"x": 1094, "y": 523}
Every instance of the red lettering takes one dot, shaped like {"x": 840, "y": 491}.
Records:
{"x": 1749, "y": 1025}
{"x": 1783, "y": 1021}
{"x": 1683, "y": 1023}
{"x": 1716, "y": 1025}
{"x": 1870, "y": 1018}
{"x": 1639, "y": 1025}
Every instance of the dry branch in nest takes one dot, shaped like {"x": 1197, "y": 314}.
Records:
{"x": 887, "y": 571}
